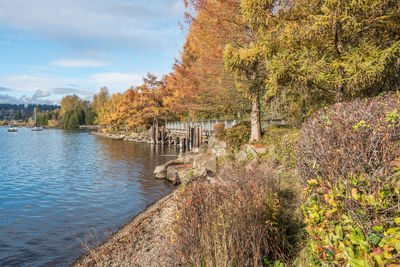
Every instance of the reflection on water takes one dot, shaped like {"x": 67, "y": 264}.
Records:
{"x": 55, "y": 186}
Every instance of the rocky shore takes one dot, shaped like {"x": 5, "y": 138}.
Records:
{"x": 146, "y": 239}
{"x": 143, "y": 137}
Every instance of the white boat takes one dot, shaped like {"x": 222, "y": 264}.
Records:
{"x": 12, "y": 129}
{"x": 36, "y": 128}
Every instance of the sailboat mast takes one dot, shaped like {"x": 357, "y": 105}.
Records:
{"x": 34, "y": 112}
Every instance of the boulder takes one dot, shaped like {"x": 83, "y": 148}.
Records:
{"x": 172, "y": 175}
{"x": 181, "y": 173}
{"x": 160, "y": 171}
{"x": 207, "y": 161}
{"x": 211, "y": 141}
{"x": 188, "y": 157}
{"x": 250, "y": 150}
{"x": 220, "y": 149}
{"x": 260, "y": 150}
{"x": 255, "y": 150}
{"x": 220, "y": 144}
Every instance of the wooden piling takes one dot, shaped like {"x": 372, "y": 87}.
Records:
{"x": 187, "y": 136}
{"x": 191, "y": 137}
{"x": 152, "y": 135}
{"x": 200, "y": 136}
{"x": 162, "y": 134}
{"x": 157, "y": 135}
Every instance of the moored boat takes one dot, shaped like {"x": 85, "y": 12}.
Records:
{"x": 36, "y": 128}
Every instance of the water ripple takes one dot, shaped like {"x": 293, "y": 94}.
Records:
{"x": 56, "y": 185}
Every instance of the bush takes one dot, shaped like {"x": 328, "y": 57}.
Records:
{"x": 349, "y": 157}
{"x": 237, "y": 135}
{"x": 357, "y": 137}
{"x": 218, "y": 128}
{"x": 282, "y": 140}
{"x": 243, "y": 218}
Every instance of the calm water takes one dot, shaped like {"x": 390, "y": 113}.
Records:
{"x": 57, "y": 187}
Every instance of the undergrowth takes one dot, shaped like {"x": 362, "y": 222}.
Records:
{"x": 349, "y": 159}
{"x": 241, "y": 218}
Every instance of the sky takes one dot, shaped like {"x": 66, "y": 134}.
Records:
{"x": 53, "y": 48}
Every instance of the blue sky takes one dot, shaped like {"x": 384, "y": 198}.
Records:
{"x": 52, "y": 48}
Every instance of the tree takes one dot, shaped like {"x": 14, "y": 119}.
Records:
{"x": 146, "y": 102}
{"x": 247, "y": 62}
{"x": 99, "y": 102}
{"x": 325, "y": 51}
{"x": 90, "y": 117}
{"x": 200, "y": 84}
{"x": 72, "y": 112}
{"x": 69, "y": 102}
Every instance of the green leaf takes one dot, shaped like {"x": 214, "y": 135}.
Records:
{"x": 374, "y": 239}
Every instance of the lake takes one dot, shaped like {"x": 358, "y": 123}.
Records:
{"x": 60, "y": 188}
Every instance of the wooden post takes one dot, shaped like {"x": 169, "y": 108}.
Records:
{"x": 200, "y": 136}
{"x": 187, "y": 138}
{"x": 162, "y": 134}
{"x": 152, "y": 135}
{"x": 157, "y": 132}
{"x": 191, "y": 137}
{"x": 194, "y": 137}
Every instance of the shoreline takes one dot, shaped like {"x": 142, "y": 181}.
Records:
{"x": 139, "y": 241}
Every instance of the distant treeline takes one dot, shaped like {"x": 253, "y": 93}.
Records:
{"x": 22, "y": 112}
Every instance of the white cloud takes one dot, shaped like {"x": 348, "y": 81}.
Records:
{"x": 93, "y": 23}
{"x": 41, "y": 94}
{"x": 115, "y": 80}
{"x": 5, "y": 98}
{"x": 31, "y": 82}
{"x": 78, "y": 63}
{"x": 42, "y": 86}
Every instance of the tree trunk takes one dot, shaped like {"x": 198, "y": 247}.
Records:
{"x": 255, "y": 120}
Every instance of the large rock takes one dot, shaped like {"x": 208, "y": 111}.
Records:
{"x": 255, "y": 150}
{"x": 211, "y": 141}
{"x": 220, "y": 149}
{"x": 188, "y": 157}
{"x": 181, "y": 173}
{"x": 160, "y": 171}
{"x": 172, "y": 175}
{"x": 207, "y": 161}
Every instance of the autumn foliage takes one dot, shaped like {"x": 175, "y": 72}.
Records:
{"x": 348, "y": 157}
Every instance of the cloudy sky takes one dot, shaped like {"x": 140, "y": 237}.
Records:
{"x": 51, "y": 48}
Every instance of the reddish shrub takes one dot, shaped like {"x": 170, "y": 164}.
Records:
{"x": 359, "y": 137}
{"x": 350, "y": 157}
{"x": 242, "y": 218}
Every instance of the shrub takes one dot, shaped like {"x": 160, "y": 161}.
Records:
{"x": 242, "y": 218}
{"x": 237, "y": 135}
{"x": 282, "y": 140}
{"x": 349, "y": 158}
{"x": 356, "y": 137}
{"x": 218, "y": 128}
